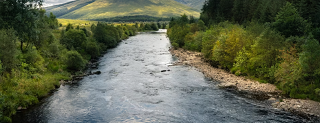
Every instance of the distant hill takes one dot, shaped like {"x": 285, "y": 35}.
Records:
{"x": 106, "y": 9}
{"x": 198, "y": 4}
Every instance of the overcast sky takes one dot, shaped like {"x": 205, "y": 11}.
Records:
{"x": 54, "y": 2}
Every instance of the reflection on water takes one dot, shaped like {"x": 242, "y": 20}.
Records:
{"x": 132, "y": 88}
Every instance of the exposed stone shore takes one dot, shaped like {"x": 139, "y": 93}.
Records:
{"x": 262, "y": 91}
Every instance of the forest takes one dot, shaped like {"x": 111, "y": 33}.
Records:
{"x": 271, "y": 41}
{"x": 36, "y": 52}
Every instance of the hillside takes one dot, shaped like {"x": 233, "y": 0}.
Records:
{"x": 102, "y": 9}
{"x": 197, "y": 4}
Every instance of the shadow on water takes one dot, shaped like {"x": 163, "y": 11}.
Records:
{"x": 137, "y": 84}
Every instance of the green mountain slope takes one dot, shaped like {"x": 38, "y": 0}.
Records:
{"x": 102, "y": 9}
{"x": 198, "y": 4}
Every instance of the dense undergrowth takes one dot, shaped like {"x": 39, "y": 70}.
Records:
{"x": 36, "y": 52}
{"x": 283, "y": 50}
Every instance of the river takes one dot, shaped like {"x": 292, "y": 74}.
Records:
{"x": 133, "y": 87}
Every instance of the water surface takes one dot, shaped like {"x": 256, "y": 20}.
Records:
{"x": 132, "y": 88}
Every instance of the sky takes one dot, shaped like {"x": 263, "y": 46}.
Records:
{"x": 54, "y": 2}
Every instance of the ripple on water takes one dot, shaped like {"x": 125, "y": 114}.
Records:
{"x": 132, "y": 88}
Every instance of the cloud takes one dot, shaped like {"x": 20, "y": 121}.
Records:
{"x": 54, "y": 2}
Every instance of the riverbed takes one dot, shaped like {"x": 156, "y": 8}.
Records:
{"x": 139, "y": 84}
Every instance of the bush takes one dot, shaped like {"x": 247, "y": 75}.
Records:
{"x": 108, "y": 35}
{"x": 74, "y": 38}
{"x": 289, "y": 71}
{"x": 74, "y": 61}
{"x": 54, "y": 50}
{"x": 194, "y": 41}
{"x": 177, "y": 34}
{"x": 229, "y": 43}
{"x": 175, "y": 45}
{"x": 211, "y": 36}
{"x": 33, "y": 58}
{"x": 93, "y": 49}
{"x": 260, "y": 59}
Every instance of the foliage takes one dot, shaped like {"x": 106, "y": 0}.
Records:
{"x": 74, "y": 61}
{"x": 73, "y": 39}
{"x": 277, "y": 41}
{"x": 22, "y": 17}
{"x": 194, "y": 41}
{"x": 69, "y": 26}
{"x": 34, "y": 60}
{"x": 289, "y": 22}
{"x": 31, "y": 74}
{"x": 177, "y": 34}
{"x": 229, "y": 43}
{"x": 92, "y": 48}
{"x": 8, "y": 50}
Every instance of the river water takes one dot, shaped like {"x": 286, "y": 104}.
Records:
{"x": 132, "y": 88}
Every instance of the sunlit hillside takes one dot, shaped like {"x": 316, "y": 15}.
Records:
{"x": 198, "y": 4}
{"x": 101, "y": 9}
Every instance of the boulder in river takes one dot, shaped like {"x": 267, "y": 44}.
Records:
{"x": 97, "y": 72}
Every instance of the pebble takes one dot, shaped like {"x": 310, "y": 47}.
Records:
{"x": 272, "y": 99}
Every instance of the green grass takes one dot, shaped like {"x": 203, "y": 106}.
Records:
{"x": 82, "y": 23}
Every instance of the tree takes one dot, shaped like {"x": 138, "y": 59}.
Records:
{"x": 93, "y": 48}
{"x": 289, "y": 22}
{"x": 22, "y": 16}
{"x": 159, "y": 25}
{"x": 154, "y": 26}
{"x": 183, "y": 20}
{"x": 192, "y": 20}
{"x": 201, "y": 25}
{"x": 164, "y": 25}
{"x": 8, "y": 50}
{"x": 53, "y": 22}
{"x": 73, "y": 38}
{"x": 107, "y": 35}
{"x": 69, "y": 26}
{"x": 74, "y": 61}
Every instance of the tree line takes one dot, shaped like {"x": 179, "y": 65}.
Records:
{"x": 35, "y": 54}
{"x": 272, "y": 41}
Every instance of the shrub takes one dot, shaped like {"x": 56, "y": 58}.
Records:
{"x": 211, "y": 36}
{"x": 317, "y": 91}
{"x": 74, "y": 61}
{"x": 54, "y": 50}
{"x": 194, "y": 41}
{"x": 289, "y": 71}
{"x": 93, "y": 49}
{"x": 177, "y": 34}
{"x": 74, "y": 38}
{"x": 310, "y": 57}
{"x": 259, "y": 59}
{"x": 175, "y": 45}
{"x": 229, "y": 43}
{"x": 33, "y": 58}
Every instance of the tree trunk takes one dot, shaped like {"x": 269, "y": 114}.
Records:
{"x": 21, "y": 46}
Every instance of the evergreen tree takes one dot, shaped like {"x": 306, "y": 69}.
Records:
{"x": 289, "y": 22}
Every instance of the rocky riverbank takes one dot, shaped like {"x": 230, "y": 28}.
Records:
{"x": 254, "y": 89}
